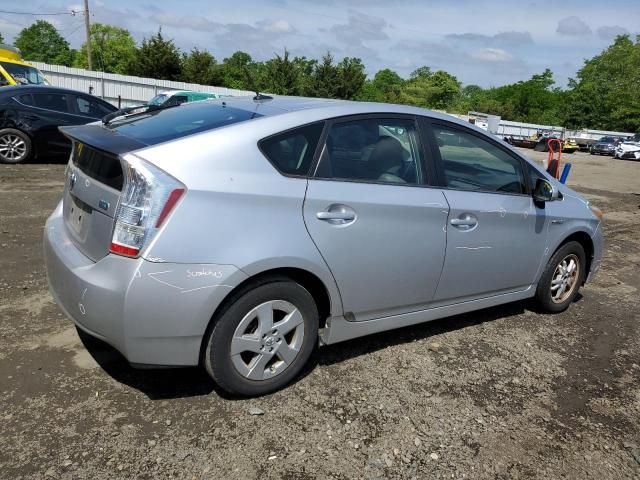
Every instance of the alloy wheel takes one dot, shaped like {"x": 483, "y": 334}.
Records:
{"x": 12, "y": 147}
{"x": 565, "y": 278}
{"x": 267, "y": 340}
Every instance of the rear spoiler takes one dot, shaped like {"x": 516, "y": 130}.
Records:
{"x": 102, "y": 138}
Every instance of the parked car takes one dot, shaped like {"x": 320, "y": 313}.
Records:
{"x": 14, "y": 70}
{"x": 542, "y": 144}
{"x": 30, "y": 117}
{"x": 238, "y": 234}
{"x": 605, "y": 146}
{"x": 629, "y": 150}
{"x": 570, "y": 145}
{"x": 180, "y": 96}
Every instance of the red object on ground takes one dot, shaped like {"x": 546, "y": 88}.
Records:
{"x": 554, "y": 145}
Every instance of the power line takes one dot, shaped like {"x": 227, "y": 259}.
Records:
{"x": 37, "y": 14}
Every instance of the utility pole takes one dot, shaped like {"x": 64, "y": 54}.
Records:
{"x": 88, "y": 30}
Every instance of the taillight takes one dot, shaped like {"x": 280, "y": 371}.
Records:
{"x": 147, "y": 198}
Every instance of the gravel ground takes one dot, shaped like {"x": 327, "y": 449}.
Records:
{"x": 500, "y": 393}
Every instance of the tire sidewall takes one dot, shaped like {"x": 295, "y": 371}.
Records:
{"x": 24, "y": 137}
{"x": 543, "y": 293}
{"x": 217, "y": 358}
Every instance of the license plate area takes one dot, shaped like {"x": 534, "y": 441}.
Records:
{"x": 78, "y": 214}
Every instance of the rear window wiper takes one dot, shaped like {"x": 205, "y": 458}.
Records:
{"x": 132, "y": 111}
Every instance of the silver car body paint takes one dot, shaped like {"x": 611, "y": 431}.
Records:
{"x": 399, "y": 263}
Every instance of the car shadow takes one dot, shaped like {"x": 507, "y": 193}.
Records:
{"x": 169, "y": 383}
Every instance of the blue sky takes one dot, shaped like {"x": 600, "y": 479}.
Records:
{"x": 487, "y": 42}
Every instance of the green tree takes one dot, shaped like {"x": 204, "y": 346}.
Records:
{"x": 157, "y": 58}
{"x": 199, "y": 66}
{"x": 113, "y": 49}
{"x": 324, "y": 79}
{"x": 240, "y": 71}
{"x": 350, "y": 78}
{"x": 604, "y": 93}
{"x": 439, "y": 90}
{"x": 41, "y": 42}
{"x": 384, "y": 87}
{"x": 282, "y": 75}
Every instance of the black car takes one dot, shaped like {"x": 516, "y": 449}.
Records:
{"x": 30, "y": 117}
{"x": 605, "y": 146}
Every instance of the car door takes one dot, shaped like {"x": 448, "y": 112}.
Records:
{"x": 496, "y": 235}
{"x": 378, "y": 227}
{"x": 52, "y": 110}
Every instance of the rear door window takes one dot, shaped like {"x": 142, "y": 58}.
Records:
{"x": 51, "y": 101}
{"x": 291, "y": 152}
{"x": 384, "y": 150}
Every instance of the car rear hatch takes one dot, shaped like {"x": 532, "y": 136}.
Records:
{"x": 95, "y": 178}
{"x": 93, "y": 183}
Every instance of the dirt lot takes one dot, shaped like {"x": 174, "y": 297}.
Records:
{"x": 501, "y": 393}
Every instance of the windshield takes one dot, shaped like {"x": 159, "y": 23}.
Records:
{"x": 158, "y": 99}
{"x": 606, "y": 140}
{"x": 23, "y": 74}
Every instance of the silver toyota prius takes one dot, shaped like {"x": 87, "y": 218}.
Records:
{"x": 238, "y": 234}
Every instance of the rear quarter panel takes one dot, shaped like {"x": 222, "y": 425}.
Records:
{"x": 238, "y": 210}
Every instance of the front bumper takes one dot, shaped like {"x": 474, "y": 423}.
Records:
{"x": 598, "y": 246}
{"x": 153, "y": 313}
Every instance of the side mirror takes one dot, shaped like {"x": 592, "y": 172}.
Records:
{"x": 544, "y": 191}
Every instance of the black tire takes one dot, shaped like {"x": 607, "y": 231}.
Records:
{"x": 543, "y": 292}
{"x": 8, "y": 135}
{"x": 217, "y": 356}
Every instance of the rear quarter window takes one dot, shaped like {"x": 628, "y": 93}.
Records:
{"x": 291, "y": 152}
{"x": 175, "y": 122}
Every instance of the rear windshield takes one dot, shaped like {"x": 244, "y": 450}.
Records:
{"x": 101, "y": 166}
{"x": 163, "y": 125}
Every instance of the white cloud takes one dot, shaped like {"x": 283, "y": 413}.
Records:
{"x": 276, "y": 26}
{"x": 573, "y": 26}
{"x": 612, "y": 31}
{"x": 190, "y": 22}
{"x": 492, "y": 55}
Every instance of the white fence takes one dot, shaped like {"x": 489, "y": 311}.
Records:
{"x": 126, "y": 89}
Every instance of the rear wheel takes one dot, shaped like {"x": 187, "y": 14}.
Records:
{"x": 262, "y": 341}
{"x": 562, "y": 277}
{"x": 15, "y": 146}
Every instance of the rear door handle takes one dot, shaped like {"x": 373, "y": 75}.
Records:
{"x": 344, "y": 216}
{"x": 337, "y": 214}
{"x": 459, "y": 222}
{"x": 467, "y": 222}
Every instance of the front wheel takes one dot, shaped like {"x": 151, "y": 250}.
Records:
{"x": 262, "y": 341}
{"x": 562, "y": 277}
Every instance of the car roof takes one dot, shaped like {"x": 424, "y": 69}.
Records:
{"x": 277, "y": 105}
{"x": 13, "y": 89}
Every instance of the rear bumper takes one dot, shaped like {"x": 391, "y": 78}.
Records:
{"x": 153, "y": 313}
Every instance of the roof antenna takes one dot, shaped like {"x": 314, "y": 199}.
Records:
{"x": 252, "y": 85}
